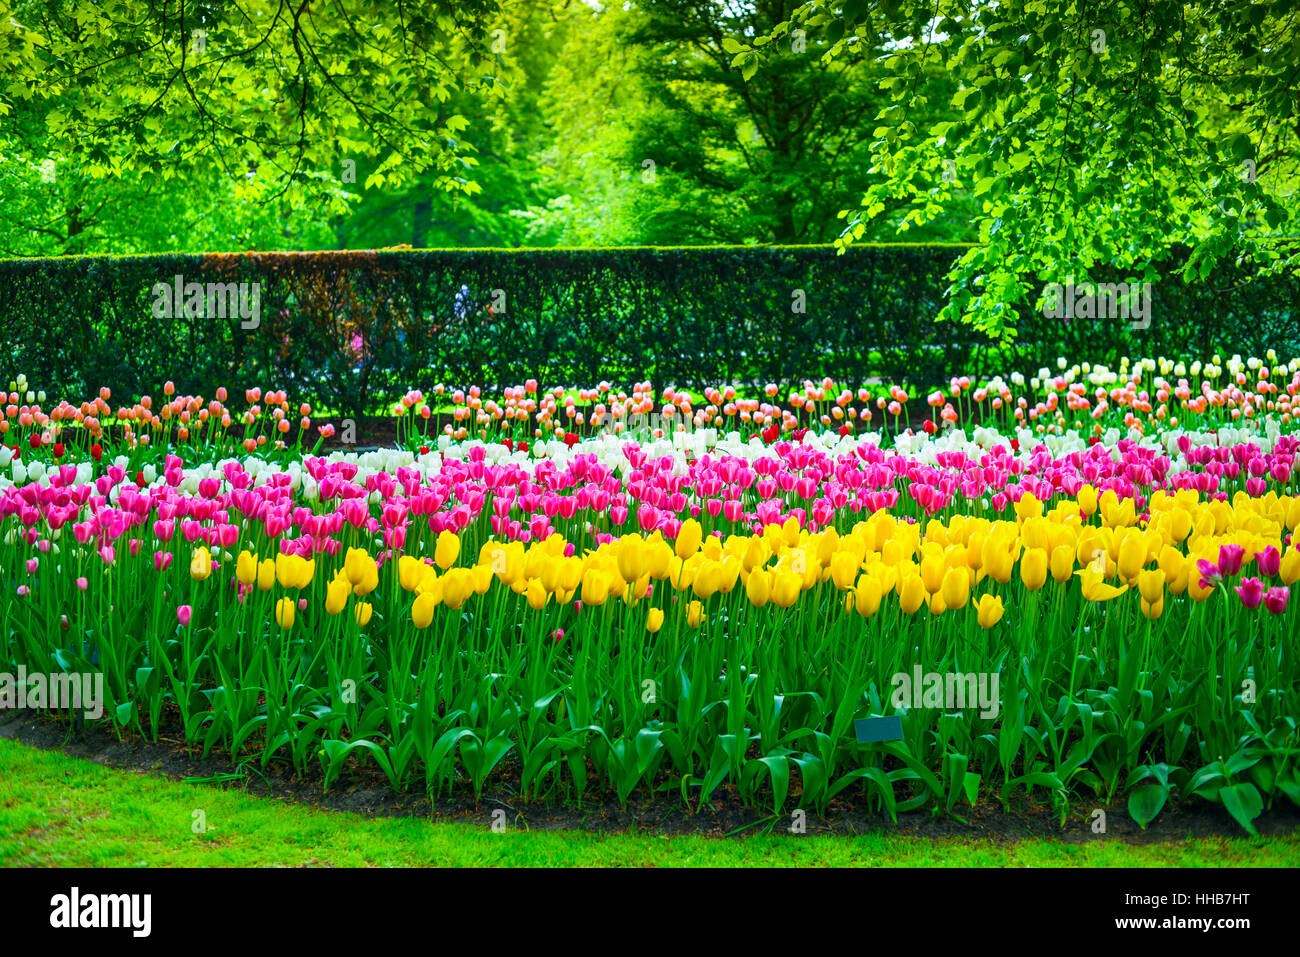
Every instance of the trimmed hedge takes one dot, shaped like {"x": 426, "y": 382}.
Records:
{"x": 353, "y": 330}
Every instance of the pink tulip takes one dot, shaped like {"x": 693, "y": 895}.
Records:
{"x": 1251, "y": 591}
{"x": 1269, "y": 562}
{"x": 1275, "y": 599}
{"x": 183, "y": 613}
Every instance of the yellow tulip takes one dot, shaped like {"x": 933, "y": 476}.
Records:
{"x": 410, "y": 572}
{"x": 867, "y": 595}
{"x": 631, "y": 557}
{"x": 759, "y": 587}
{"x": 285, "y": 609}
{"x": 369, "y": 580}
{"x": 659, "y": 556}
{"x": 1153, "y": 610}
{"x": 1033, "y": 567}
{"x": 246, "y": 568}
{"x": 911, "y": 593}
{"x": 988, "y": 610}
{"x": 1290, "y": 570}
{"x": 694, "y": 614}
{"x": 595, "y": 587}
{"x": 1151, "y": 584}
{"x": 456, "y": 587}
{"x": 336, "y": 595}
{"x": 709, "y": 579}
{"x": 447, "y": 550}
{"x": 201, "y": 564}
{"x": 481, "y": 577}
{"x": 286, "y": 569}
{"x": 265, "y": 574}
{"x": 1087, "y": 499}
{"x": 1062, "y": 563}
{"x": 1028, "y": 507}
{"x": 956, "y": 588}
{"x": 932, "y": 573}
{"x": 844, "y": 569}
{"x": 354, "y": 564}
{"x": 1095, "y": 589}
{"x": 537, "y": 595}
{"x": 689, "y": 537}
{"x": 790, "y": 531}
{"x": 422, "y": 610}
{"x": 1176, "y": 567}
{"x": 362, "y": 613}
{"x": 1132, "y": 556}
{"x": 654, "y": 620}
{"x": 785, "y": 588}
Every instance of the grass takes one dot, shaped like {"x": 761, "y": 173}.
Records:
{"x": 59, "y": 811}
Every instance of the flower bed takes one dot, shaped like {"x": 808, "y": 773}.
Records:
{"x": 1078, "y": 614}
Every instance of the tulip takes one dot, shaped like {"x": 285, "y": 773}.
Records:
{"x": 285, "y": 609}
{"x": 758, "y": 589}
{"x": 1289, "y": 569}
{"x": 537, "y": 595}
{"x": 694, "y": 614}
{"x": 654, "y": 620}
{"x": 1275, "y": 599}
{"x": 447, "y": 550}
{"x": 200, "y": 564}
{"x": 867, "y": 596}
{"x": 246, "y": 568}
{"x": 336, "y": 595}
{"x": 989, "y": 610}
{"x": 362, "y": 613}
{"x": 688, "y": 539}
{"x": 183, "y": 613}
{"x": 786, "y": 586}
{"x": 911, "y": 594}
{"x": 1062, "y": 564}
{"x": 422, "y": 610}
{"x": 410, "y": 572}
{"x": 265, "y": 574}
{"x": 596, "y": 586}
{"x": 844, "y": 568}
{"x": 1132, "y": 556}
{"x": 1269, "y": 562}
{"x": 1151, "y": 584}
{"x": 1230, "y": 559}
{"x": 955, "y": 590}
{"x": 1033, "y": 566}
{"x": 1251, "y": 592}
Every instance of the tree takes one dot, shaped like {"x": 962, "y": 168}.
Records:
{"x": 1097, "y": 135}
{"x": 279, "y": 98}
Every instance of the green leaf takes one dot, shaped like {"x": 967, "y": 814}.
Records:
{"x": 1147, "y": 801}
{"x": 1243, "y": 803}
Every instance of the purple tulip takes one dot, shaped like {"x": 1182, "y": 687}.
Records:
{"x": 1251, "y": 591}
{"x": 1210, "y": 574}
{"x": 1269, "y": 562}
{"x": 1275, "y": 599}
{"x": 1230, "y": 559}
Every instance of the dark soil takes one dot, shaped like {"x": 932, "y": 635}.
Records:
{"x": 364, "y": 790}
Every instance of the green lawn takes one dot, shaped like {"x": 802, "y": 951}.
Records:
{"x": 61, "y": 811}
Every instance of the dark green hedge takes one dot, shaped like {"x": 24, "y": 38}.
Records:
{"x": 683, "y": 316}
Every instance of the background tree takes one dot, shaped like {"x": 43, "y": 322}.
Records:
{"x": 276, "y": 98}
{"x": 1101, "y": 134}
